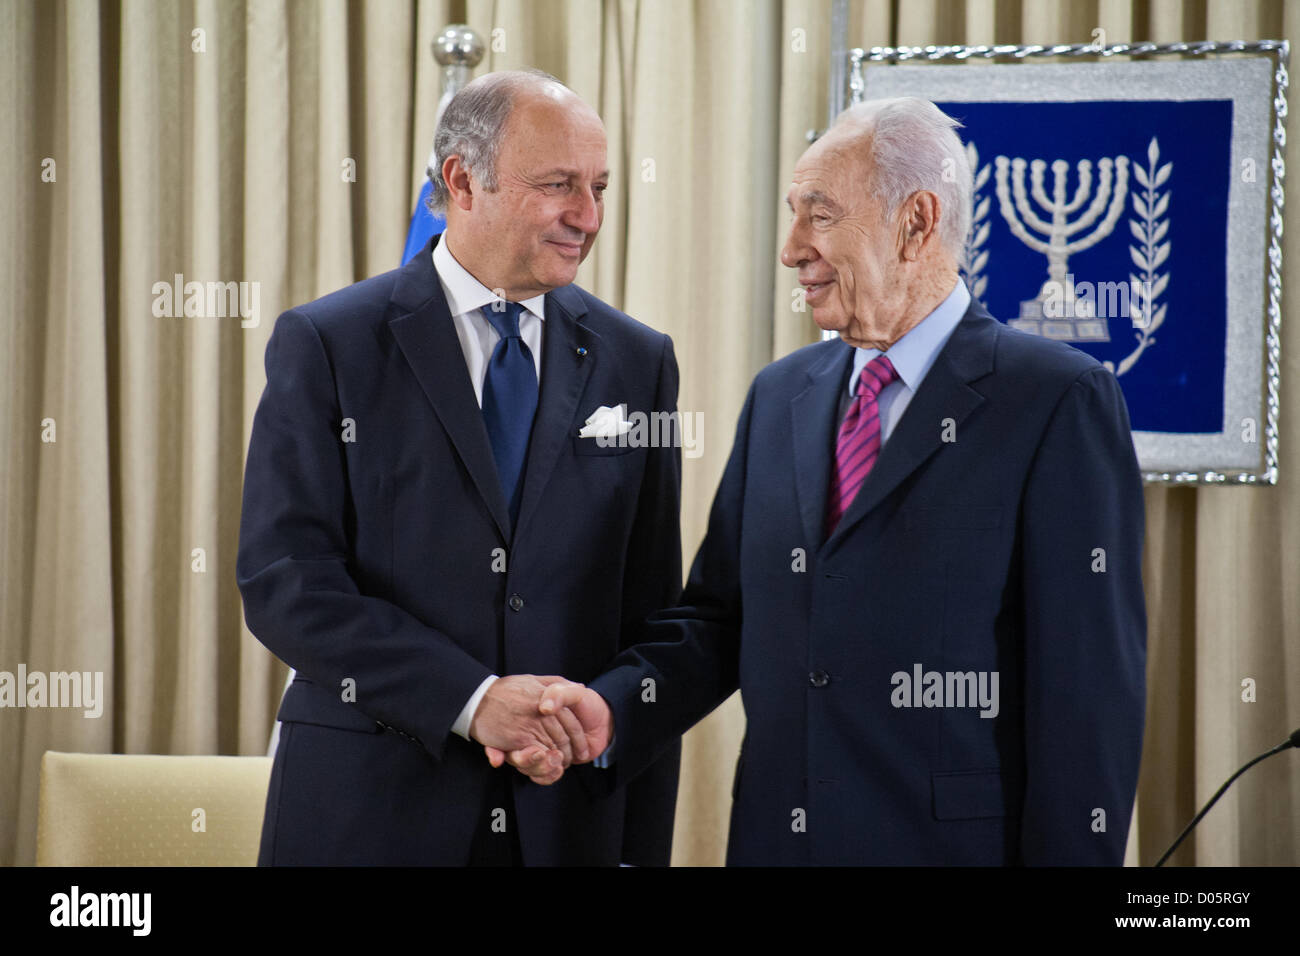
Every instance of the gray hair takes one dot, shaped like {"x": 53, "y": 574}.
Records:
{"x": 472, "y": 125}
{"x": 915, "y": 147}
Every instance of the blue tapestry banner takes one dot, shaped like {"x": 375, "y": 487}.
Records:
{"x": 1102, "y": 224}
{"x": 1130, "y": 209}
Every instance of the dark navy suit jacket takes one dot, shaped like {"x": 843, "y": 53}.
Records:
{"x": 999, "y": 531}
{"x": 372, "y": 546}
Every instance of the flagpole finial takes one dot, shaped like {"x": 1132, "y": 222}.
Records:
{"x": 458, "y": 45}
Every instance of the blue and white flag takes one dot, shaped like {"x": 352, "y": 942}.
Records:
{"x": 424, "y": 225}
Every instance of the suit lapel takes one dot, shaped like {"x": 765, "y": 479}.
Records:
{"x": 945, "y": 393}
{"x": 814, "y": 415}
{"x": 564, "y": 375}
{"x": 424, "y": 332}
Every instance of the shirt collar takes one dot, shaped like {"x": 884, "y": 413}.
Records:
{"x": 464, "y": 292}
{"x": 915, "y": 352}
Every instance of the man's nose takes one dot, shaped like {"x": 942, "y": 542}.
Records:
{"x": 796, "y": 250}
{"x": 584, "y": 213}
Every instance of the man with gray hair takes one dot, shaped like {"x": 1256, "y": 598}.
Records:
{"x": 923, "y": 564}
{"x": 427, "y": 505}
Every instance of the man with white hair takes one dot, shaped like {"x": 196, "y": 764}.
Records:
{"x": 923, "y": 564}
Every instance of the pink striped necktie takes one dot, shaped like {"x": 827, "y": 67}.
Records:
{"x": 858, "y": 444}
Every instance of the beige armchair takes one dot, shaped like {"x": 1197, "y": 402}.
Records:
{"x": 149, "y": 810}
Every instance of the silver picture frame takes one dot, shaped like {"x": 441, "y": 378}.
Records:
{"x": 1253, "y": 357}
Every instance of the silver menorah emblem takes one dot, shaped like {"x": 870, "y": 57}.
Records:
{"x": 1056, "y": 312}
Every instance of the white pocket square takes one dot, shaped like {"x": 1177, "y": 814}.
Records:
{"x": 606, "y": 422}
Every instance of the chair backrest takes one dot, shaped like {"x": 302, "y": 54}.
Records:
{"x": 150, "y": 810}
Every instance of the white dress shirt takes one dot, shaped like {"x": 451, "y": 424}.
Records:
{"x": 466, "y": 298}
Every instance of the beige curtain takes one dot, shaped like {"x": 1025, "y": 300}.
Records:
{"x": 281, "y": 143}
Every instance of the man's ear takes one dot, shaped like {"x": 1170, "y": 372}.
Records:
{"x": 459, "y": 182}
{"x": 920, "y": 223}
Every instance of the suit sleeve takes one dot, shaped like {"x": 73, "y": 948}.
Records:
{"x": 690, "y": 653}
{"x": 653, "y": 580}
{"x": 300, "y": 598}
{"x": 1085, "y": 631}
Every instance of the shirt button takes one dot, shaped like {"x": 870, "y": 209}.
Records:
{"x": 819, "y": 678}
{"x": 516, "y": 602}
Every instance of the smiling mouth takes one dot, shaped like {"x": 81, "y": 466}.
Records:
{"x": 571, "y": 247}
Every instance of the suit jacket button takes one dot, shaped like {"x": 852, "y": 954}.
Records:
{"x": 516, "y": 602}
{"x": 819, "y": 678}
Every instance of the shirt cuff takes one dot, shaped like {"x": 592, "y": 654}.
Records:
{"x": 607, "y": 756}
{"x": 461, "y": 727}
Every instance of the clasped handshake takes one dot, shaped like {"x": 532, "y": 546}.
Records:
{"x": 541, "y": 725}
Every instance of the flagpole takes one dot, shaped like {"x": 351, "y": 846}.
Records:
{"x": 458, "y": 49}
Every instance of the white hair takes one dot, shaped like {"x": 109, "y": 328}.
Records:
{"x": 914, "y": 147}
{"x": 473, "y": 125}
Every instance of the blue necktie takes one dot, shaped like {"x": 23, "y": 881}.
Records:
{"x": 509, "y": 401}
